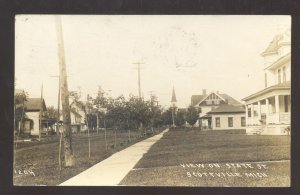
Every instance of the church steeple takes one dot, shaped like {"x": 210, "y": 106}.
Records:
{"x": 173, "y": 99}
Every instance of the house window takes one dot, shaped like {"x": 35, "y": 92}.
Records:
{"x": 284, "y": 74}
{"x": 218, "y": 122}
{"x": 249, "y": 112}
{"x": 230, "y": 122}
{"x": 199, "y": 110}
{"x": 243, "y": 121}
{"x": 279, "y": 76}
{"x": 266, "y": 80}
{"x": 255, "y": 113}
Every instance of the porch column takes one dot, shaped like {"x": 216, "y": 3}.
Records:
{"x": 277, "y": 107}
{"x": 246, "y": 108}
{"x": 267, "y": 106}
{"x": 259, "y": 110}
{"x": 267, "y": 110}
{"x": 252, "y": 113}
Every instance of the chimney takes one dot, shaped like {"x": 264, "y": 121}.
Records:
{"x": 203, "y": 91}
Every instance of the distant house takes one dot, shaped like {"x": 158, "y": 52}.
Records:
{"x": 269, "y": 110}
{"x": 227, "y": 117}
{"x": 77, "y": 116}
{"x": 35, "y": 109}
{"x": 209, "y": 101}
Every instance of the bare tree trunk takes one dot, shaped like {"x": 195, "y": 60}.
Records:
{"x": 128, "y": 130}
{"x": 41, "y": 114}
{"x": 105, "y": 135}
{"x": 59, "y": 150}
{"x": 115, "y": 137}
{"x": 97, "y": 122}
{"x": 68, "y": 150}
{"x": 87, "y": 123}
{"x": 19, "y": 130}
{"x": 89, "y": 142}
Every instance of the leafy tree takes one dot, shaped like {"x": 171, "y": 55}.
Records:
{"x": 167, "y": 117}
{"x": 155, "y": 112}
{"x": 131, "y": 113}
{"x": 20, "y": 101}
{"x": 117, "y": 112}
{"x": 192, "y": 115}
{"x": 91, "y": 120}
{"x": 140, "y": 112}
{"x": 52, "y": 112}
{"x": 180, "y": 117}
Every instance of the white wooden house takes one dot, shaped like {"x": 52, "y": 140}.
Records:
{"x": 228, "y": 117}
{"x": 209, "y": 101}
{"x": 35, "y": 110}
{"x": 269, "y": 110}
{"x": 77, "y": 117}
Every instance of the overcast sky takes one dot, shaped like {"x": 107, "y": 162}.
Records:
{"x": 191, "y": 53}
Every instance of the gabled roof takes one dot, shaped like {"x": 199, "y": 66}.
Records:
{"x": 217, "y": 94}
{"x": 279, "y": 40}
{"x": 273, "y": 46}
{"x": 227, "y": 109}
{"x": 34, "y": 104}
{"x": 79, "y": 105}
{"x": 197, "y": 99}
{"x": 231, "y": 100}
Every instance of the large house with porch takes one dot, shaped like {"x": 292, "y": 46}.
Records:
{"x": 210, "y": 101}
{"x": 269, "y": 110}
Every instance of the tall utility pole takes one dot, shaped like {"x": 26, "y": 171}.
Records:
{"x": 173, "y": 102}
{"x": 58, "y": 100}
{"x": 99, "y": 94}
{"x": 87, "y": 121}
{"x": 57, "y": 123}
{"x": 139, "y": 85}
{"x": 69, "y": 156}
{"x": 41, "y": 113}
{"x": 139, "y": 78}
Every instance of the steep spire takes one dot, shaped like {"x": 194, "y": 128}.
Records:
{"x": 173, "y": 100}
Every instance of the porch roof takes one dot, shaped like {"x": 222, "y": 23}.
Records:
{"x": 205, "y": 116}
{"x": 227, "y": 109}
{"x": 285, "y": 85}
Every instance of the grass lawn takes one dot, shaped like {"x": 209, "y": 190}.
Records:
{"x": 36, "y": 163}
{"x": 205, "y": 154}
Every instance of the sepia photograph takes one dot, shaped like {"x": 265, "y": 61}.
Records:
{"x": 152, "y": 100}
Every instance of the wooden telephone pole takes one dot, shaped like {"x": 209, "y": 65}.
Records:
{"x": 69, "y": 156}
{"x": 139, "y": 85}
{"x": 139, "y": 78}
{"x": 41, "y": 114}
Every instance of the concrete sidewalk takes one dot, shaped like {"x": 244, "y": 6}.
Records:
{"x": 112, "y": 170}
